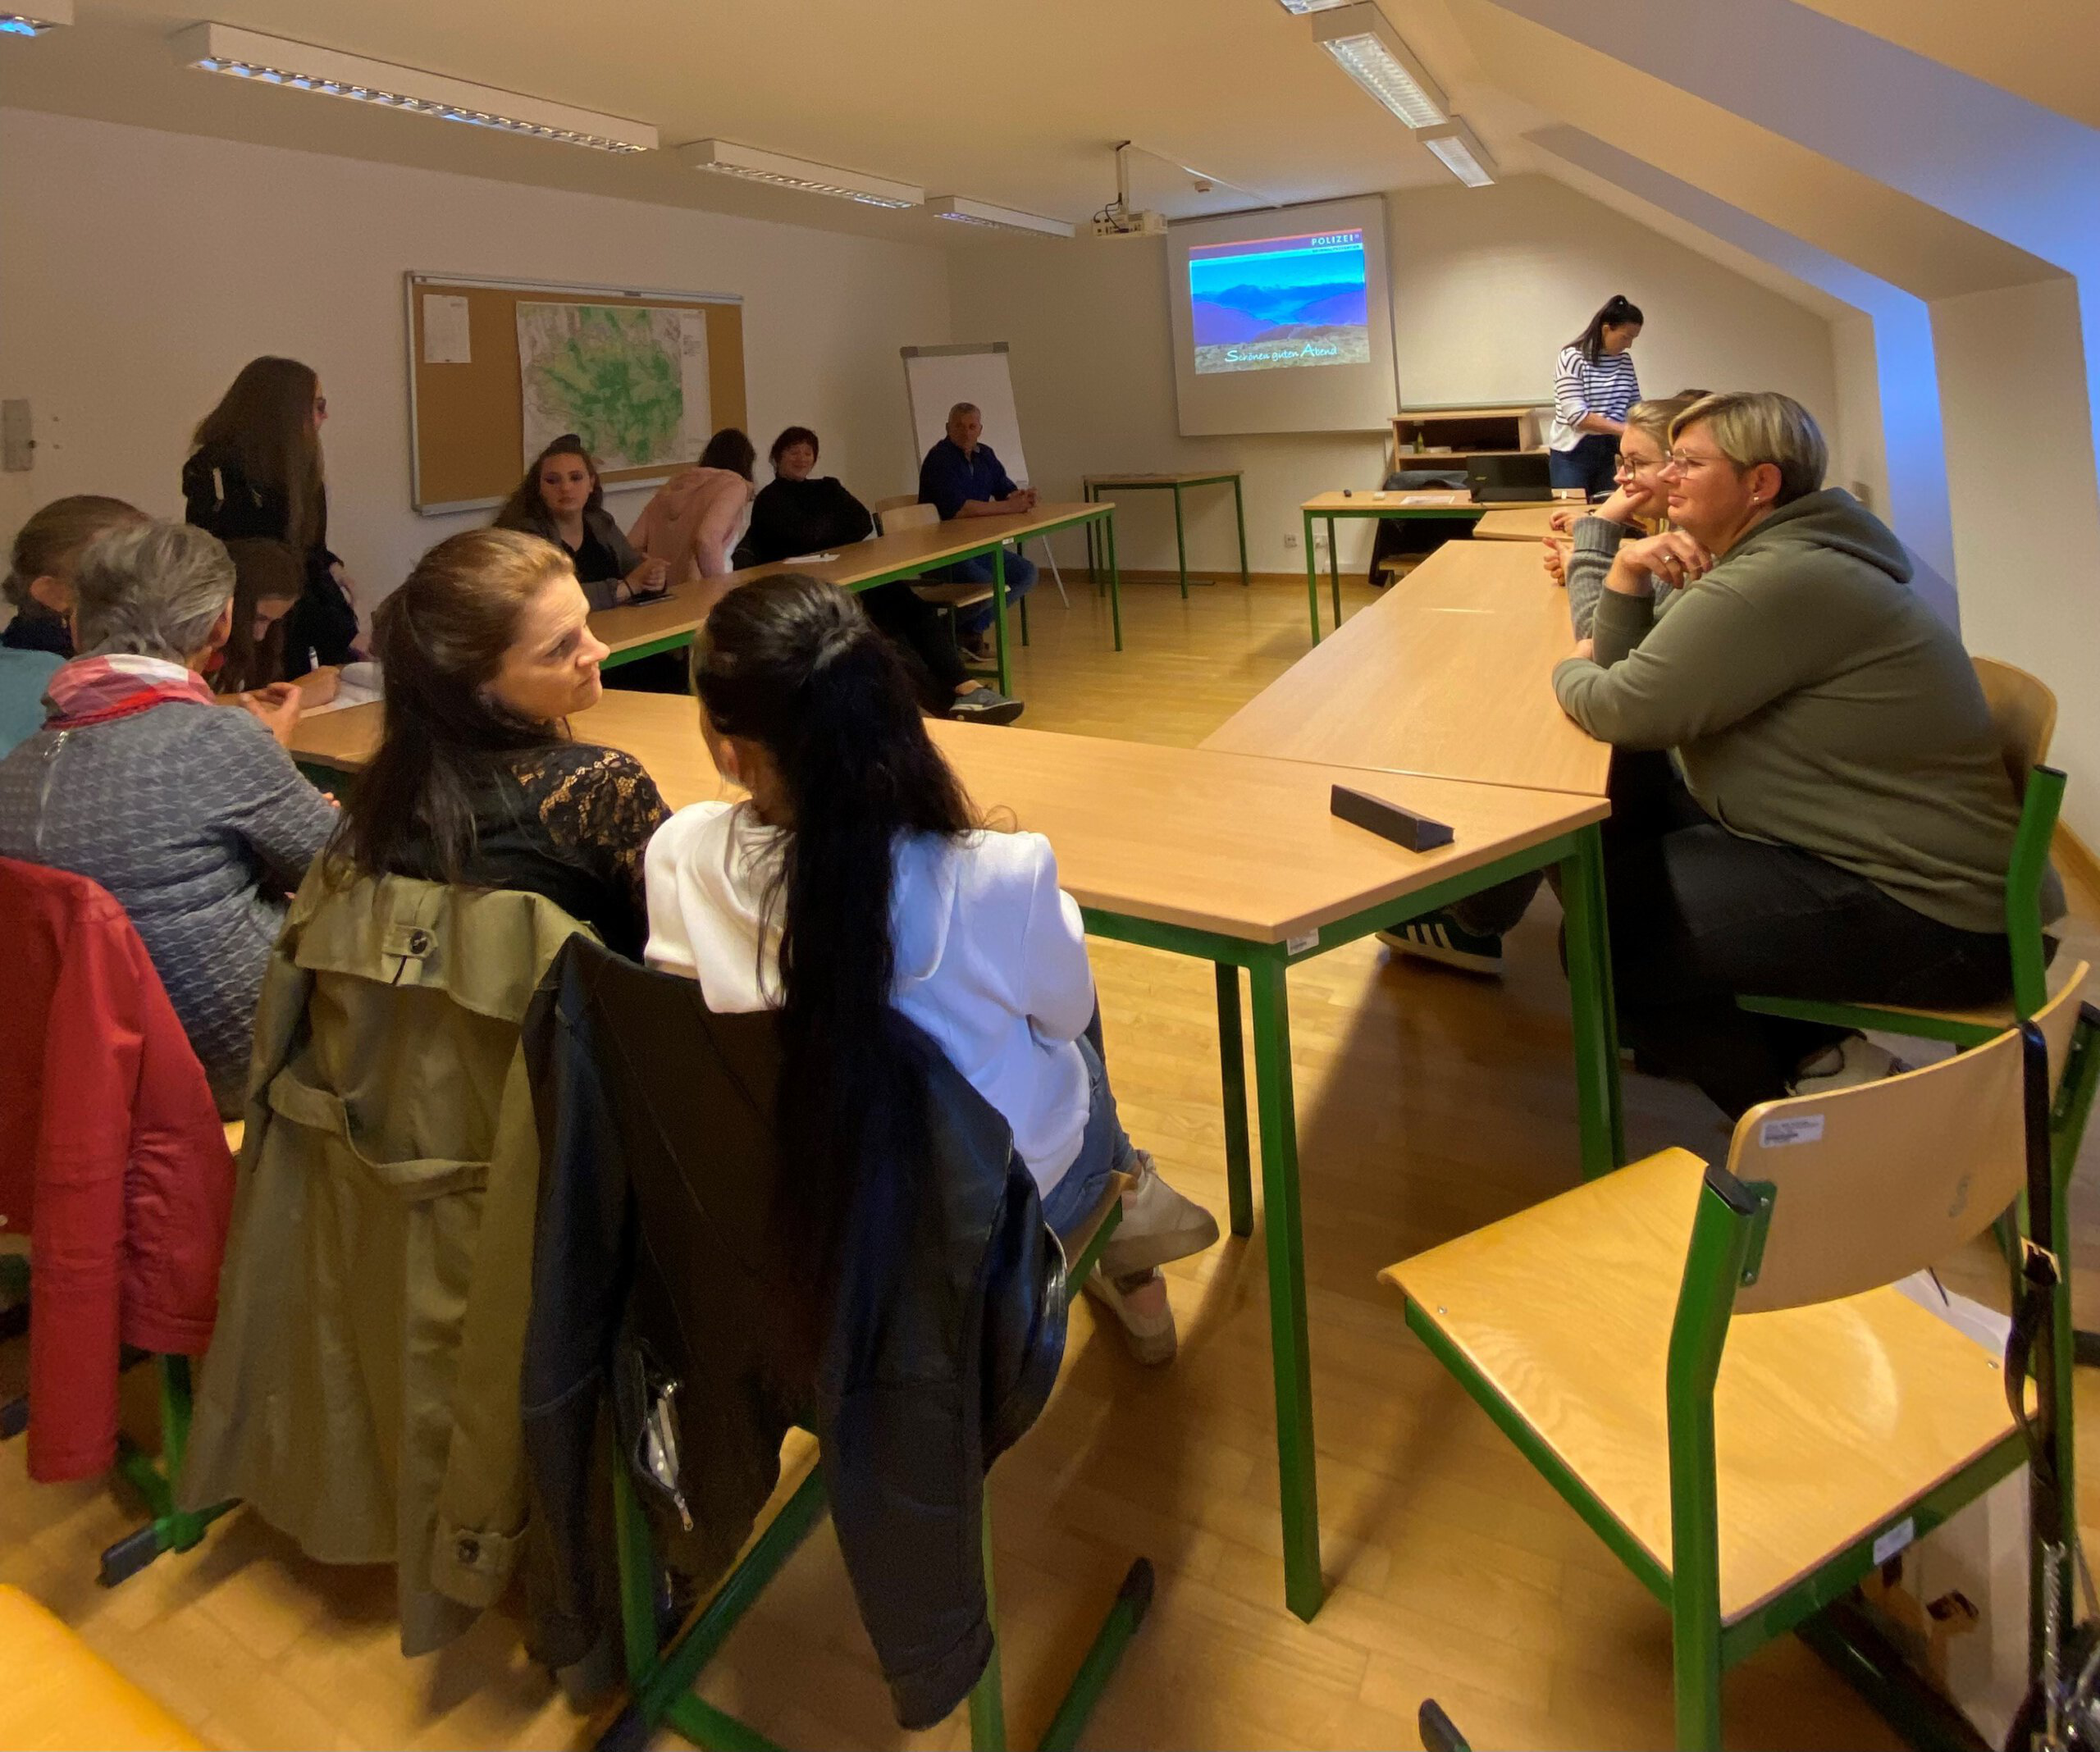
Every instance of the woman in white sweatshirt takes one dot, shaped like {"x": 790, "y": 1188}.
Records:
{"x": 856, "y": 882}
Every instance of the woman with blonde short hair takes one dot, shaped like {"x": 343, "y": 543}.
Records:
{"x": 1819, "y": 810}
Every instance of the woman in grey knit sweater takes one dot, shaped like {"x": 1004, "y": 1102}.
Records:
{"x": 189, "y": 813}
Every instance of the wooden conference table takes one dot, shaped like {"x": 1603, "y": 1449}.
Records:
{"x": 1454, "y": 503}
{"x": 1445, "y": 674}
{"x": 1093, "y": 485}
{"x": 640, "y": 630}
{"x": 1518, "y": 522}
{"x": 1235, "y": 859}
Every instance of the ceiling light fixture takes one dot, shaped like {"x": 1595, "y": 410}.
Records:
{"x": 1301, "y": 7}
{"x": 302, "y": 66}
{"x": 48, "y": 15}
{"x": 1460, "y": 150}
{"x": 964, "y": 210}
{"x": 1370, "y": 51}
{"x": 727, "y": 158}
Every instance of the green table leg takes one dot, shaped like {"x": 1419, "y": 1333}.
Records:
{"x": 1240, "y": 517}
{"x": 1232, "y": 1060}
{"x": 1596, "y": 1029}
{"x": 1180, "y": 542}
{"x": 1114, "y": 577}
{"x": 999, "y": 616}
{"x": 1335, "y": 573}
{"x": 1313, "y": 578}
{"x": 1289, "y": 1348}
{"x": 988, "y": 1702}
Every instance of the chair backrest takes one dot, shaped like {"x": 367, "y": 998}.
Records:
{"x": 911, "y": 514}
{"x": 893, "y": 502}
{"x": 1871, "y": 1184}
{"x": 2024, "y": 714}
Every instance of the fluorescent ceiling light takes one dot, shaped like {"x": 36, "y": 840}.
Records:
{"x": 729, "y": 159}
{"x": 1370, "y": 51}
{"x": 1460, "y": 150}
{"x": 1303, "y": 6}
{"x": 301, "y": 66}
{"x": 964, "y": 210}
{"x": 48, "y": 15}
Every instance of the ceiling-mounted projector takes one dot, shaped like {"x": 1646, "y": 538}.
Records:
{"x": 1117, "y": 219}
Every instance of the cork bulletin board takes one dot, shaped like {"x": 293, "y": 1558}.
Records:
{"x": 654, "y": 372}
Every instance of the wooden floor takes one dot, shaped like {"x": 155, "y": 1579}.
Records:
{"x": 1429, "y": 1103}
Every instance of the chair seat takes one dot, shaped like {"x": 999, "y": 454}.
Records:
{"x": 1828, "y": 1420}
{"x": 57, "y": 1692}
{"x": 953, "y": 595}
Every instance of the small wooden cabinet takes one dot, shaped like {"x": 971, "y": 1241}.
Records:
{"x": 1466, "y": 432}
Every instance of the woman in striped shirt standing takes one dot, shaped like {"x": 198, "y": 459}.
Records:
{"x": 1591, "y": 391}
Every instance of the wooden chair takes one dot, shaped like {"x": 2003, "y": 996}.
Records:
{"x": 907, "y": 513}
{"x": 57, "y": 1693}
{"x": 1710, "y": 1366}
{"x": 661, "y": 1682}
{"x": 2024, "y": 714}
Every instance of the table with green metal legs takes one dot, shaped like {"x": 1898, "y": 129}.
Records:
{"x": 1095, "y": 485}
{"x": 1237, "y": 860}
{"x": 1451, "y": 503}
{"x": 638, "y": 630}
{"x": 1576, "y": 856}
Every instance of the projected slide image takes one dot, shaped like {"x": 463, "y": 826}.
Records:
{"x": 1279, "y": 302}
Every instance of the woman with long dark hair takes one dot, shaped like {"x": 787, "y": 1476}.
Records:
{"x": 856, "y": 883}
{"x": 255, "y": 471}
{"x": 561, "y": 499}
{"x": 486, "y": 653}
{"x": 1593, "y": 386}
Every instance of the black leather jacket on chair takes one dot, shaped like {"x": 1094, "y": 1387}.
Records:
{"x": 653, "y": 1273}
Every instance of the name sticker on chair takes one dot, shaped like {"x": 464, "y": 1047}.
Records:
{"x": 1895, "y": 1539}
{"x": 1776, "y": 1134}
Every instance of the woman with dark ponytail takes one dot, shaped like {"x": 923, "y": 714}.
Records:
{"x": 856, "y": 883}
{"x": 1592, "y": 388}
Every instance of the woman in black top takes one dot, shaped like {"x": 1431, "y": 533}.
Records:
{"x": 486, "y": 653}
{"x": 256, "y": 474}
{"x": 562, "y": 501}
{"x": 798, "y": 513}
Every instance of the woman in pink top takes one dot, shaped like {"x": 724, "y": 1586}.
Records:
{"x": 699, "y": 515}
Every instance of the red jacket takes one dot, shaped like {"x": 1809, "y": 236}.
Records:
{"x": 112, "y": 1159}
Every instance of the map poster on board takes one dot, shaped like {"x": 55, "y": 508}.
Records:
{"x": 630, "y": 380}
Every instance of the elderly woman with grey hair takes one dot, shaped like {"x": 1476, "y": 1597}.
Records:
{"x": 189, "y": 813}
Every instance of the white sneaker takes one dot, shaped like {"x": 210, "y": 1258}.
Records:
{"x": 1159, "y": 1225}
{"x": 1854, "y": 1060}
{"x": 1139, "y": 1301}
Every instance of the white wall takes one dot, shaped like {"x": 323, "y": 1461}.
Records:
{"x": 1488, "y": 285}
{"x": 140, "y": 269}
{"x": 2026, "y": 507}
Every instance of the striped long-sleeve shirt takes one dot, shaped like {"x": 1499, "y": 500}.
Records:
{"x": 1608, "y": 387}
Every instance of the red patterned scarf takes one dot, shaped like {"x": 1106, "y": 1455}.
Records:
{"x": 95, "y": 690}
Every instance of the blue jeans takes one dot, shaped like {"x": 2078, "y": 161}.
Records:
{"x": 1589, "y": 465}
{"x": 1021, "y": 580}
{"x": 1104, "y": 1149}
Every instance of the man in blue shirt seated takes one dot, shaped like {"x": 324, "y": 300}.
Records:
{"x": 961, "y": 477}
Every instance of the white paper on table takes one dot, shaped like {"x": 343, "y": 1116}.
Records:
{"x": 359, "y": 685}
{"x": 447, "y": 338}
{"x": 808, "y": 559}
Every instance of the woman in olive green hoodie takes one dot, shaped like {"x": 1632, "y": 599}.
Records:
{"x": 1831, "y": 820}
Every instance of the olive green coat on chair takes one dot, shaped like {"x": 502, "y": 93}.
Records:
{"x": 361, "y": 1393}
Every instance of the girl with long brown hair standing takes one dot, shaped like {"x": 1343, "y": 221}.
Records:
{"x": 255, "y": 473}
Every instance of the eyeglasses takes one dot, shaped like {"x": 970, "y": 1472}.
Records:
{"x": 1684, "y": 462}
{"x": 1624, "y": 467}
